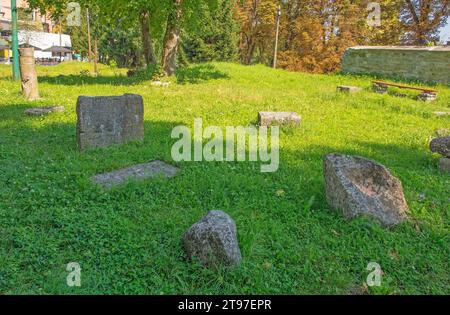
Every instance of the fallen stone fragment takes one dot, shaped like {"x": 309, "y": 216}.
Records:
{"x": 358, "y": 186}
{"x": 135, "y": 173}
{"x": 442, "y": 114}
{"x": 380, "y": 88}
{"x": 159, "y": 83}
{"x": 40, "y": 111}
{"x": 349, "y": 89}
{"x": 443, "y": 132}
{"x": 444, "y": 164}
{"x": 107, "y": 120}
{"x": 278, "y": 118}
{"x": 441, "y": 146}
{"x": 213, "y": 241}
{"x": 427, "y": 96}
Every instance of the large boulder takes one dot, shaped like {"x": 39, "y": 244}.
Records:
{"x": 441, "y": 146}
{"x": 108, "y": 120}
{"x": 213, "y": 241}
{"x": 357, "y": 186}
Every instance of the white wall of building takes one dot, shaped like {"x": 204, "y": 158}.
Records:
{"x": 44, "y": 40}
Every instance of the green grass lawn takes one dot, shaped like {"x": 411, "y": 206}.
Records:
{"x": 128, "y": 240}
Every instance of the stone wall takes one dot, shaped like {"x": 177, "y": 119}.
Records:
{"x": 426, "y": 64}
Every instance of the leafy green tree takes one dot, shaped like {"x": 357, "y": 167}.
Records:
{"x": 215, "y": 37}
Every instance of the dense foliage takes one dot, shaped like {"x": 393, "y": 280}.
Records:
{"x": 313, "y": 34}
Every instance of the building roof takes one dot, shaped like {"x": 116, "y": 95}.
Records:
{"x": 58, "y": 49}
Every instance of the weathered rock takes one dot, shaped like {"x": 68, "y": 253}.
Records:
{"x": 427, "y": 96}
{"x": 213, "y": 241}
{"x": 349, "y": 89}
{"x": 131, "y": 73}
{"x": 135, "y": 173}
{"x": 441, "y": 146}
{"x": 108, "y": 120}
{"x": 380, "y": 88}
{"x": 444, "y": 164}
{"x": 159, "y": 83}
{"x": 40, "y": 111}
{"x": 278, "y": 118}
{"x": 443, "y": 132}
{"x": 442, "y": 114}
{"x": 357, "y": 186}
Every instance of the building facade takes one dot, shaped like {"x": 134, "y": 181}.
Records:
{"x": 28, "y": 18}
{"x": 35, "y": 30}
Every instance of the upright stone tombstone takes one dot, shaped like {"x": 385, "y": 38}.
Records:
{"x": 108, "y": 120}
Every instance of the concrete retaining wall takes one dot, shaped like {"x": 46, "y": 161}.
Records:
{"x": 426, "y": 64}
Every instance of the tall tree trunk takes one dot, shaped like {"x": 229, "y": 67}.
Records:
{"x": 251, "y": 40}
{"x": 95, "y": 55}
{"x": 28, "y": 74}
{"x": 149, "y": 52}
{"x": 172, "y": 39}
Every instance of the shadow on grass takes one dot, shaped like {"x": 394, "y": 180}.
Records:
{"x": 60, "y": 138}
{"x": 191, "y": 75}
{"x": 88, "y": 80}
{"x": 13, "y": 112}
{"x": 199, "y": 73}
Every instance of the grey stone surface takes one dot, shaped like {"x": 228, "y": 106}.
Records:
{"x": 442, "y": 114}
{"x": 135, "y": 173}
{"x": 39, "y": 111}
{"x": 444, "y": 164}
{"x": 107, "y": 120}
{"x": 427, "y": 97}
{"x": 213, "y": 241}
{"x": 358, "y": 186}
{"x": 380, "y": 88}
{"x": 349, "y": 89}
{"x": 443, "y": 132}
{"x": 441, "y": 146}
{"x": 159, "y": 83}
{"x": 278, "y": 118}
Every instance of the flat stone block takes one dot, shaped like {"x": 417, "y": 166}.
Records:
{"x": 349, "y": 89}
{"x": 443, "y": 132}
{"x": 442, "y": 114}
{"x": 107, "y": 120}
{"x": 278, "y": 118}
{"x": 380, "y": 89}
{"x": 427, "y": 97}
{"x": 137, "y": 173}
{"x": 40, "y": 111}
{"x": 444, "y": 164}
{"x": 159, "y": 83}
